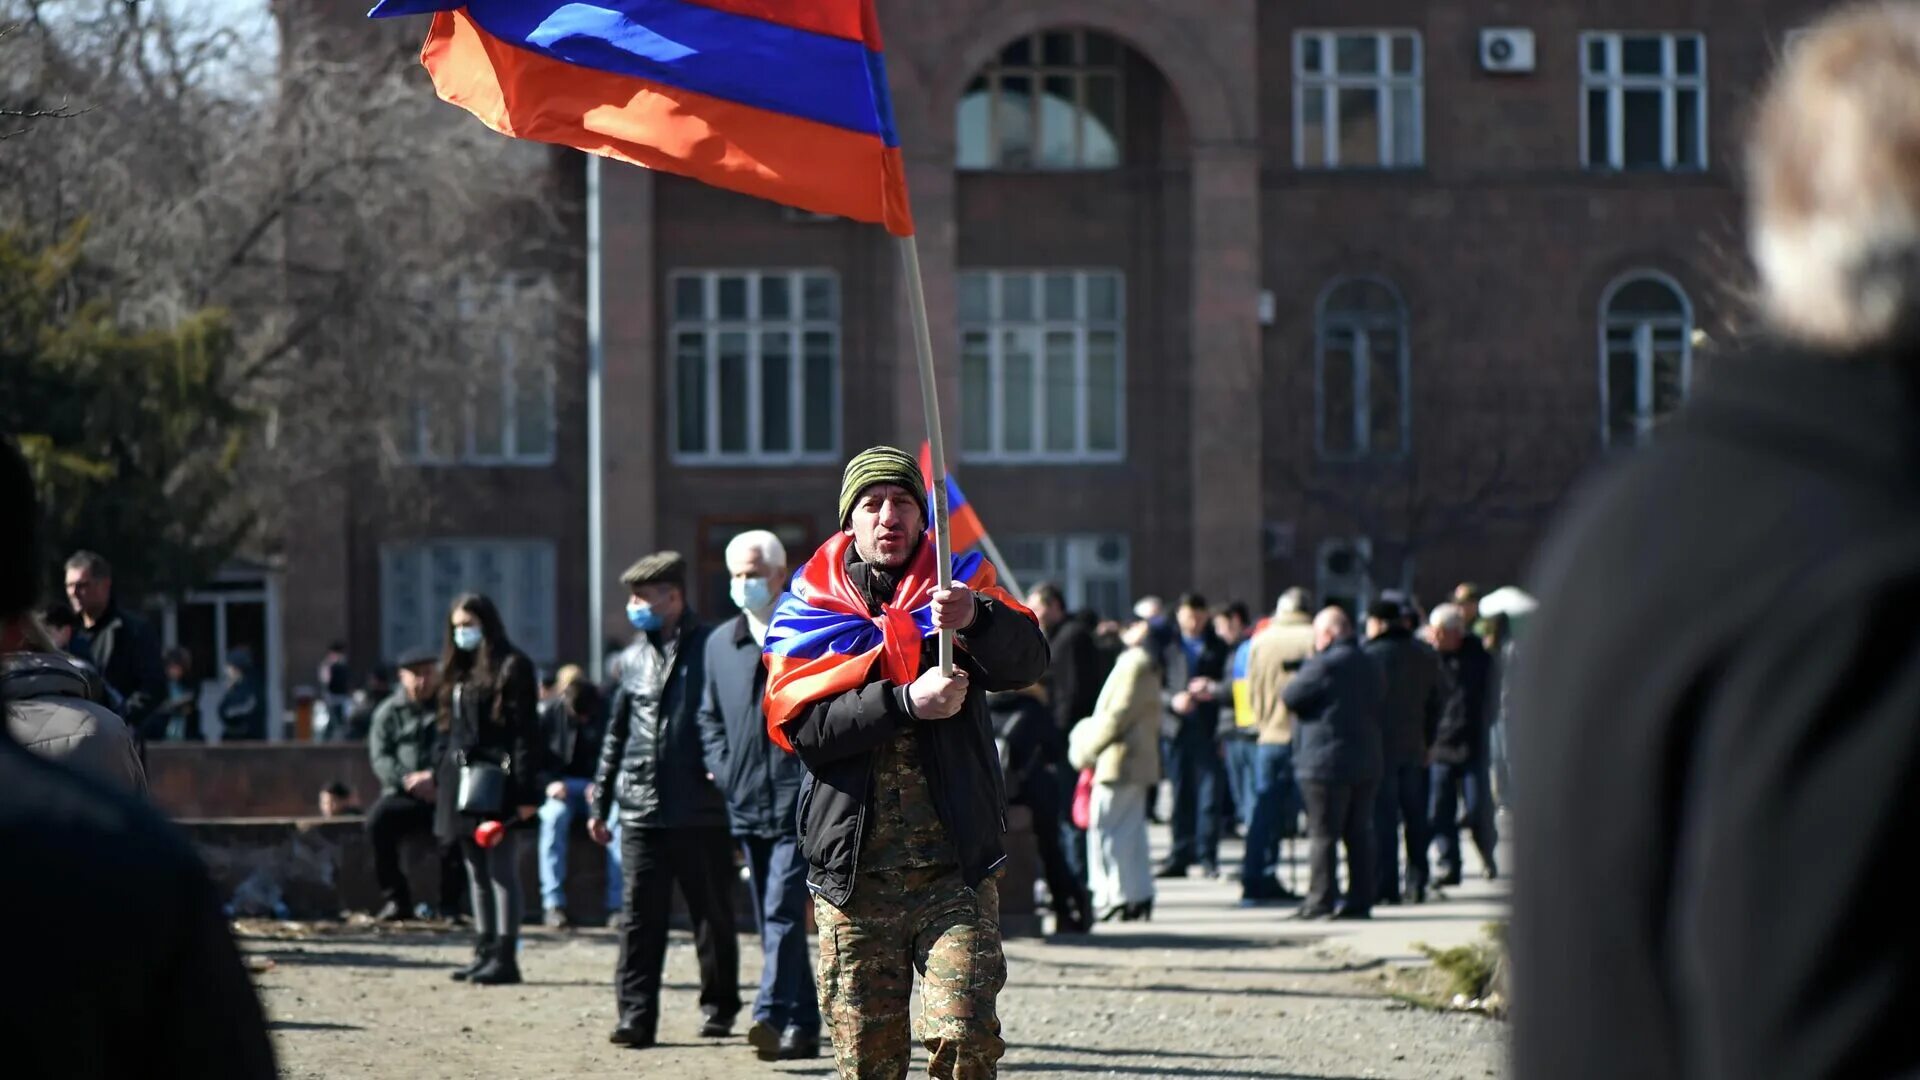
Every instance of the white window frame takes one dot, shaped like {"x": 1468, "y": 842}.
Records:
{"x": 796, "y": 325}
{"x": 1643, "y": 328}
{"x": 1037, "y": 72}
{"x": 1362, "y": 374}
{"x": 512, "y": 290}
{"x": 413, "y": 558}
{"x": 1383, "y": 82}
{"x": 1616, "y": 83}
{"x": 1073, "y": 563}
{"x": 1037, "y": 328}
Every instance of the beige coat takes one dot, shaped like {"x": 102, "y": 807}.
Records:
{"x": 1120, "y": 742}
{"x": 1284, "y": 644}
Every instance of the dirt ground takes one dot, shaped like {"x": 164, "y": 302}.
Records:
{"x": 362, "y": 1001}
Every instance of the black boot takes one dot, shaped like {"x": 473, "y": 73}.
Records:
{"x": 482, "y": 952}
{"x": 503, "y": 967}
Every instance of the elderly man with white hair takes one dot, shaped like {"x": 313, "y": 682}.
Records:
{"x": 1336, "y": 699}
{"x": 762, "y": 785}
{"x": 1461, "y": 747}
{"x": 1717, "y": 784}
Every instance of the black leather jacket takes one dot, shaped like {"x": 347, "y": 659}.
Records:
{"x": 651, "y": 760}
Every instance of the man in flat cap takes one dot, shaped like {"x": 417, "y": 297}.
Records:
{"x": 406, "y": 745}
{"x": 903, "y": 807}
{"x": 673, "y": 822}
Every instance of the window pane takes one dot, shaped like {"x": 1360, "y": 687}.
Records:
{"x": 1056, "y": 49}
{"x": 1018, "y": 52}
{"x": 1359, "y": 127}
{"x": 1597, "y": 56}
{"x": 1357, "y": 54}
{"x": 1642, "y": 111}
{"x": 1103, "y": 391}
{"x": 1645, "y": 296}
{"x": 1059, "y": 121}
{"x": 971, "y": 127}
{"x": 975, "y": 305}
{"x": 776, "y": 297}
{"x": 1686, "y": 139}
{"x": 776, "y": 392}
{"x": 532, "y": 409}
{"x": 1013, "y": 122}
{"x": 1336, "y": 392}
{"x": 1101, "y": 49}
{"x": 1686, "y": 55}
{"x": 486, "y": 416}
{"x": 1598, "y": 129}
{"x": 1312, "y": 55}
{"x": 1100, "y": 123}
{"x": 1017, "y": 392}
{"x": 1642, "y": 56}
{"x": 820, "y": 298}
{"x": 1103, "y": 296}
{"x": 1403, "y": 54}
{"x": 733, "y": 298}
{"x": 733, "y": 393}
{"x": 822, "y": 356}
{"x": 689, "y": 297}
{"x": 1313, "y": 128}
{"x": 1059, "y": 296}
{"x": 1406, "y": 127}
{"x": 1062, "y": 427}
{"x": 1016, "y": 298}
{"x": 690, "y": 383}
{"x": 976, "y": 393}
{"x": 1384, "y": 391}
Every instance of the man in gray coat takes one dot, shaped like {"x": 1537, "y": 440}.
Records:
{"x": 1336, "y": 700}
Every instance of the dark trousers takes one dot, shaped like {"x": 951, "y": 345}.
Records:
{"x": 701, "y": 860}
{"x": 1070, "y": 898}
{"x": 1195, "y": 767}
{"x": 1402, "y": 801}
{"x": 1073, "y": 840}
{"x": 1340, "y": 814}
{"x": 1449, "y": 783}
{"x": 391, "y": 819}
{"x": 787, "y": 997}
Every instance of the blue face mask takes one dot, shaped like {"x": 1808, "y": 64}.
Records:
{"x": 751, "y": 594}
{"x": 466, "y": 638}
{"x": 641, "y": 615}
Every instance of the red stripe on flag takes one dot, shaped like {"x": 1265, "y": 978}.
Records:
{"x": 814, "y": 166}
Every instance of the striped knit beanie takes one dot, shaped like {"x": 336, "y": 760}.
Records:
{"x": 882, "y": 465}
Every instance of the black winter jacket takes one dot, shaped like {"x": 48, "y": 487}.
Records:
{"x": 1335, "y": 701}
{"x": 1462, "y": 737}
{"x": 651, "y": 760}
{"x": 573, "y": 749}
{"x": 1001, "y": 650}
{"x": 761, "y": 781}
{"x": 126, "y": 651}
{"x": 497, "y": 724}
{"x": 1418, "y": 689}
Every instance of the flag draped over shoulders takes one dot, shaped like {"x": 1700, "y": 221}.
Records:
{"x": 822, "y": 641}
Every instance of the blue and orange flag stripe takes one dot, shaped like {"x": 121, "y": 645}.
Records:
{"x": 785, "y": 100}
{"x": 822, "y": 642}
{"x": 964, "y": 528}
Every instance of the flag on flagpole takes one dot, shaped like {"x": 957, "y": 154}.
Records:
{"x": 784, "y": 100}
{"x": 963, "y": 521}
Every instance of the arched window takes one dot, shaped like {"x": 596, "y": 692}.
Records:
{"x": 1646, "y": 355}
{"x": 1361, "y": 369}
{"x": 1049, "y": 101}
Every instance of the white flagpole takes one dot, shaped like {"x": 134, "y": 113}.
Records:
{"x": 930, "y": 402}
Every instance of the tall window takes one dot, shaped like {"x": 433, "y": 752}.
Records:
{"x": 1356, "y": 100}
{"x": 1041, "y": 365}
{"x": 1646, "y": 356}
{"x": 419, "y": 581}
{"x": 756, "y": 357}
{"x": 1091, "y": 568}
{"x": 1361, "y": 371}
{"x": 505, "y": 415}
{"x": 1050, "y": 101}
{"x": 1644, "y": 101}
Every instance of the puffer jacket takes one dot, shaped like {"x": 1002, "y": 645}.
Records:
{"x": 1120, "y": 742}
{"x": 53, "y": 709}
{"x": 652, "y": 762}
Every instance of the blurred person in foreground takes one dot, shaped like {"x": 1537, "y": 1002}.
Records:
{"x": 1336, "y": 700}
{"x": 163, "y": 993}
{"x": 1717, "y": 776}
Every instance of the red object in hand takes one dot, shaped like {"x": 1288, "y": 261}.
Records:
{"x": 489, "y": 834}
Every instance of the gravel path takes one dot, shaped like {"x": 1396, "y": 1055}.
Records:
{"x": 370, "y": 1002}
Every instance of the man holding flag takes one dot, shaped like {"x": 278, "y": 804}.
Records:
{"x": 904, "y": 806}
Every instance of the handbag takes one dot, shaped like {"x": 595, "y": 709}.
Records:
{"x": 483, "y": 787}
{"x": 1083, "y": 801}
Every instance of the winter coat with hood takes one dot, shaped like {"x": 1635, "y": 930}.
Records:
{"x": 54, "y": 709}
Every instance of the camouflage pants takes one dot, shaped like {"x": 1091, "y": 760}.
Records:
{"x": 897, "y": 922}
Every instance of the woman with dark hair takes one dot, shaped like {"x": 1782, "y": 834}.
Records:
{"x": 489, "y": 697}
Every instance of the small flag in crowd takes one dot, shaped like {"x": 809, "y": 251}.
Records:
{"x": 784, "y": 100}
{"x": 963, "y": 522}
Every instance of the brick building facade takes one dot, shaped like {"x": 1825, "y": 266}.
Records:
{"x": 1247, "y": 294}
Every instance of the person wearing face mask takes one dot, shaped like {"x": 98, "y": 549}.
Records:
{"x": 673, "y": 822}
{"x": 762, "y": 785}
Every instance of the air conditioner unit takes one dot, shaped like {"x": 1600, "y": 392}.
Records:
{"x": 1506, "y": 50}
